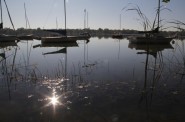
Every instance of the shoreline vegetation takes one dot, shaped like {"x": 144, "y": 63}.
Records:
{"x": 75, "y": 32}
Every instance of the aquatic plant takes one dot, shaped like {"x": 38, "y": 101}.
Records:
{"x": 144, "y": 20}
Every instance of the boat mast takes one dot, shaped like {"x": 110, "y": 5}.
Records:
{"x": 87, "y": 20}
{"x": 25, "y": 15}
{"x": 56, "y": 24}
{"x": 9, "y": 15}
{"x": 1, "y": 24}
{"x": 84, "y": 19}
{"x": 158, "y": 14}
{"x": 65, "y": 15}
{"x": 120, "y": 22}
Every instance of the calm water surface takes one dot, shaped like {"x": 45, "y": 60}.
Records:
{"x": 103, "y": 80}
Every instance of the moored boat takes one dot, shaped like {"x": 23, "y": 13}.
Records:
{"x": 25, "y": 37}
{"x": 69, "y": 44}
{"x": 7, "y": 44}
{"x": 117, "y": 36}
{"x": 151, "y": 49}
{"x": 153, "y": 36}
{"x": 8, "y": 38}
{"x": 4, "y": 37}
{"x": 150, "y": 40}
{"x": 63, "y": 39}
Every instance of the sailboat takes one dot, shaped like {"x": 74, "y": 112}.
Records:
{"x": 64, "y": 38}
{"x": 24, "y": 36}
{"x": 63, "y": 50}
{"x": 4, "y": 37}
{"x": 153, "y": 36}
{"x": 118, "y": 35}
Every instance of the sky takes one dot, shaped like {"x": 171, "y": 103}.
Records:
{"x": 101, "y": 13}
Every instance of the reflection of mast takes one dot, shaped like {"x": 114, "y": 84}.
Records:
{"x": 145, "y": 92}
{"x": 146, "y": 67}
{"x": 85, "y": 52}
{"x": 119, "y": 49}
{"x": 65, "y": 75}
{"x": 148, "y": 88}
{"x": 87, "y": 64}
{"x": 63, "y": 50}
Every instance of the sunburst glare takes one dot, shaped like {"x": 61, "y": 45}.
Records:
{"x": 54, "y": 100}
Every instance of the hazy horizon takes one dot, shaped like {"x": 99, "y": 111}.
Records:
{"x": 101, "y": 13}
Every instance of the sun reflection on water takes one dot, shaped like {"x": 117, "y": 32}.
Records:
{"x": 55, "y": 85}
{"x": 54, "y": 100}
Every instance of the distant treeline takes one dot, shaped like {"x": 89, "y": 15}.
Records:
{"x": 99, "y": 32}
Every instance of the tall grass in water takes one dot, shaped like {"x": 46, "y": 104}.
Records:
{"x": 144, "y": 21}
{"x": 16, "y": 72}
{"x": 178, "y": 60}
{"x": 180, "y": 26}
{"x": 9, "y": 70}
{"x": 153, "y": 71}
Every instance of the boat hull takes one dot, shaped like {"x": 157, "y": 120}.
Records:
{"x": 25, "y": 37}
{"x": 117, "y": 36}
{"x": 72, "y": 44}
{"x": 151, "y": 49}
{"x": 150, "y": 40}
{"x": 7, "y": 44}
{"x": 8, "y": 38}
{"x": 63, "y": 39}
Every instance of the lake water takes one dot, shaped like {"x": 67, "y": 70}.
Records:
{"x": 103, "y": 80}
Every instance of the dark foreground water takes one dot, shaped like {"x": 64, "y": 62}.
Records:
{"x": 104, "y": 80}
